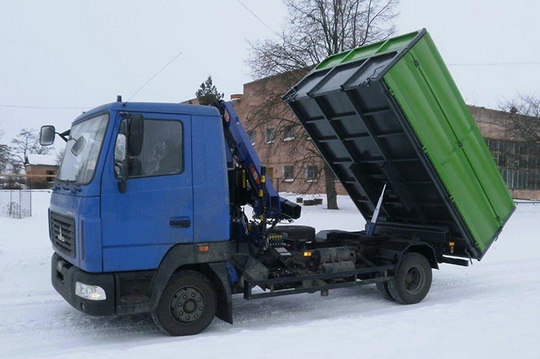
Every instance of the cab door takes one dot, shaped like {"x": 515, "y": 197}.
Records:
{"x": 156, "y": 210}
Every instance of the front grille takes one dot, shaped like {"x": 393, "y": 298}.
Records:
{"x": 62, "y": 232}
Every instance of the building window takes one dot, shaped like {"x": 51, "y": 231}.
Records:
{"x": 312, "y": 173}
{"x": 252, "y": 136}
{"x": 288, "y": 173}
{"x": 270, "y": 135}
{"x": 518, "y": 162}
{"x": 288, "y": 133}
{"x": 50, "y": 176}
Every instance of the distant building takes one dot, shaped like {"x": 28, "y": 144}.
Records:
{"x": 518, "y": 161}
{"x": 41, "y": 170}
{"x": 293, "y": 169}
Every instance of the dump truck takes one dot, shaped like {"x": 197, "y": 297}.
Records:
{"x": 148, "y": 212}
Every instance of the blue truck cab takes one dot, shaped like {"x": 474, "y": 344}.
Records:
{"x": 110, "y": 231}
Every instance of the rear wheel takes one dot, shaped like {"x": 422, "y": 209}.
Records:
{"x": 187, "y": 305}
{"x": 412, "y": 281}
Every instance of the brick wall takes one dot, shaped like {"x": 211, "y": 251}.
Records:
{"x": 40, "y": 176}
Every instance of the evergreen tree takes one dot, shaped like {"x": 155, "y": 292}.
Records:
{"x": 208, "y": 93}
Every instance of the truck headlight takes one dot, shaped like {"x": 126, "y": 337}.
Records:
{"x": 91, "y": 292}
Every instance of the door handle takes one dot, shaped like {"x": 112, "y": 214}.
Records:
{"x": 180, "y": 222}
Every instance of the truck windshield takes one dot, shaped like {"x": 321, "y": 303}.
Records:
{"x": 82, "y": 150}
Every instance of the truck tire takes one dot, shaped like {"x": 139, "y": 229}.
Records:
{"x": 187, "y": 305}
{"x": 382, "y": 287}
{"x": 412, "y": 280}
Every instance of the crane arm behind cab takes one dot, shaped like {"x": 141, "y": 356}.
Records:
{"x": 264, "y": 199}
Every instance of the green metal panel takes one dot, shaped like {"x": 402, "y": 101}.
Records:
{"x": 424, "y": 89}
{"x": 390, "y": 113}
{"x": 388, "y": 46}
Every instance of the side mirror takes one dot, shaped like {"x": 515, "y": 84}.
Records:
{"x": 46, "y": 135}
{"x": 129, "y": 144}
{"x": 78, "y": 146}
{"x": 136, "y": 135}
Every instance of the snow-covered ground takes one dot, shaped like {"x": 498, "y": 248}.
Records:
{"x": 489, "y": 310}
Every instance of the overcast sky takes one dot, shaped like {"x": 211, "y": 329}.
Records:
{"x": 59, "y": 58}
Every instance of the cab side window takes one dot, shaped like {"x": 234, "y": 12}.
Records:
{"x": 162, "y": 150}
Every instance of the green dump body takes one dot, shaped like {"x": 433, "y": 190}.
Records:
{"x": 391, "y": 113}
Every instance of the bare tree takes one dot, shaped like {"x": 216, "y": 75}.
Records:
{"x": 523, "y": 120}
{"x": 60, "y": 157}
{"x": 518, "y": 155}
{"x": 4, "y": 158}
{"x": 27, "y": 142}
{"x": 315, "y": 30}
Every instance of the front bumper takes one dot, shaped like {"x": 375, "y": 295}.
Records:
{"x": 64, "y": 275}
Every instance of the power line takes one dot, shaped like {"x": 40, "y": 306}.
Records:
{"x": 457, "y": 64}
{"x": 174, "y": 58}
{"x": 84, "y": 108}
{"x": 43, "y": 107}
{"x": 153, "y": 77}
{"x": 498, "y": 64}
{"x": 256, "y": 17}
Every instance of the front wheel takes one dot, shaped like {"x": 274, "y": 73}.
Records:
{"x": 412, "y": 281}
{"x": 382, "y": 287}
{"x": 187, "y": 305}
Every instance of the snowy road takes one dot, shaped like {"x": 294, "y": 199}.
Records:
{"x": 491, "y": 309}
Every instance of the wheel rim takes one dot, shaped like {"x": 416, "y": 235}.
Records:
{"x": 414, "y": 279}
{"x": 187, "y": 304}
